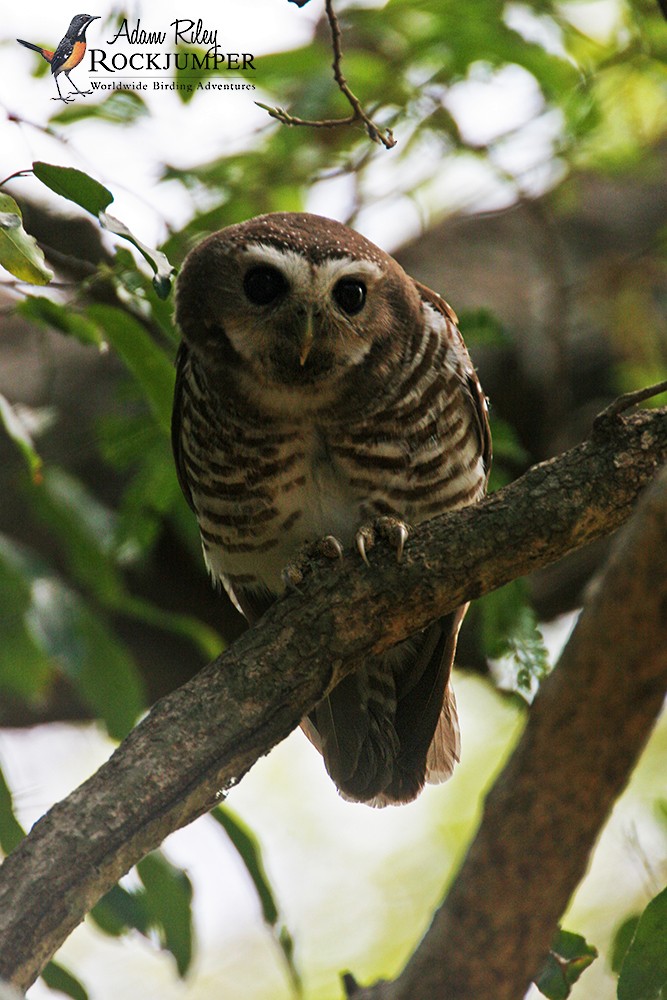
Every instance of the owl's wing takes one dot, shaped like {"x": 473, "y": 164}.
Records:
{"x": 472, "y": 385}
{"x": 182, "y": 362}
{"x": 445, "y": 749}
{"x": 252, "y": 603}
{"x": 391, "y": 725}
{"x": 426, "y": 719}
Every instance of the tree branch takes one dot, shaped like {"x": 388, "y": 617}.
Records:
{"x": 585, "y": 732}
{"x": 206, "y": 735}
{"x": 383, "y": 137}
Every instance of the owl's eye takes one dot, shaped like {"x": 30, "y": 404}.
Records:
{"x": 264, "y": 284}
{"x": 350, "y": 295}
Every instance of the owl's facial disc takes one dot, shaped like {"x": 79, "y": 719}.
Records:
{"x": 303, "y": 321}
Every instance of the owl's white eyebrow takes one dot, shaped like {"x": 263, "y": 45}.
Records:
{"x": 297, "y": 268}
{"x": 332, "y": 270}
{"x": 293, "y": 265}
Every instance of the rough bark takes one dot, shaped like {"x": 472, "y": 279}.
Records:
{"x": 206, "y": 735}
{"x": 586, "y": 730}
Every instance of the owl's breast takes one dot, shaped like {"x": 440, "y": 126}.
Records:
{"x": 254, "y": 520}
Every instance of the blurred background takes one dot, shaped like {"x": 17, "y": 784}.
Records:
{"x": 528, "y": 187}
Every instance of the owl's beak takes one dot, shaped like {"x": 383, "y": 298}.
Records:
{"x": 307, "y": 341}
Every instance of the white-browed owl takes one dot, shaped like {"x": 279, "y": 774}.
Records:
{"x": 323, "y": 393}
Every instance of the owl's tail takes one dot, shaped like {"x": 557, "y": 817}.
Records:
{"x": 391, "y": 725}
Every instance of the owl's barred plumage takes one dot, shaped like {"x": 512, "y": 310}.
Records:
{"x": 319, "y": 387}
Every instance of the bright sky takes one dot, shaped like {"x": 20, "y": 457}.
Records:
{"x": 124, "y": 158}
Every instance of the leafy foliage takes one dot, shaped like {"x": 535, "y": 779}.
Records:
{"x": 83, "y": 190}
{"x": 15, "y": 427}
{"x": 570, "y": 955}
{"x": 510, "y": 633}
{"x": 11, "y": 831}
{"x": 122, "y": 107}
{"x": 643, "y": 970}
{"x": 160, "y": 906}
{"x": 250, "y": 853}
{"x": 58, "y": 978}
{"x": 75, "y": 185}
{"x": 20, "y": 254}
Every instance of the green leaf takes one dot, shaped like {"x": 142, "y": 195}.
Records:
{"x": 482, "y": 326}
{"x": 122, "y": 107}
{"x": 102, "y": 670}
{"x": 24, "y": 667}
{"x": 58, "y": 978}
{"x": 130, "y": 279}
{"x": 570, "y": 955}
{"x": 45, "y": 625}
{"x": 168, "y": 900}
{"x": 157, "y": 260}
{"x": 163, "y": 904}
{"x": 88, "y": 534}
{"x": 120, "y": 910}
{"x": 510, "y": 632}
{"x": 661, "y": 813}
{"x": 39, "y": 309}
{"x": 621, "y": 942}
{"x": 85, "y": 191}
{"x": 250, "y": 853}
{"x": 510, "y": 458}
{"x": 19, "y": 253}
{"x": 20, "y": 435}
{"x": 150, "y": 366}
{"x": 187, "y": 79}
{"x": 11, "y": 831}
{"x": 85, "y": 530}
{"x": 644, "y": 971}
{"x": 74, "y": 185}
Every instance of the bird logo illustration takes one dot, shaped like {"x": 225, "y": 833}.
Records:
{"x": 68, "y": 54}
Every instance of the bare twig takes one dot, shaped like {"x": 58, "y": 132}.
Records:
{"x": 45, "y": 129}
{"x": 627, "y": 400}
{"x": 17, "y": 173}
{"x": 383, "y": 137}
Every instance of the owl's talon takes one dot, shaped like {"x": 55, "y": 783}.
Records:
{"x": 292, "y": 575}
{"x": 364, "y": 541}
{"x": 330, "y": 547}
{"x": 392, "y": 528}
{"x": 297, "y": 569}
{"x": 402, "y": 532}
{"x": 361, "y": 548}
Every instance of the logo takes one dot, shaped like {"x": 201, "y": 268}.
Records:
{"x": 184, "y": 57}
{"x": 68, "y": 54}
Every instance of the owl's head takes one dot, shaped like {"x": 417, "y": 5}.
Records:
{"x": 294, "y": 299}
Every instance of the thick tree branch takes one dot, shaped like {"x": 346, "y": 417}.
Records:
{"x": 588, "y": 725}
{"x": 206, "y": 735}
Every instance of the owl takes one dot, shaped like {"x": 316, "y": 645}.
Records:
{"x": 323, "y": 394}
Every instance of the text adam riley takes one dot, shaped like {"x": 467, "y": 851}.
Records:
{"x": 186, "y": 32}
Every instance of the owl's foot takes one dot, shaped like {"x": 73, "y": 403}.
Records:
{"x": 392, "y": 529}
{"x": 328, "y": 548}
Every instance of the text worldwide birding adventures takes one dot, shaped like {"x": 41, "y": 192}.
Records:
{"x": 68, "y": 53}
{"x": 324, "y": 398}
